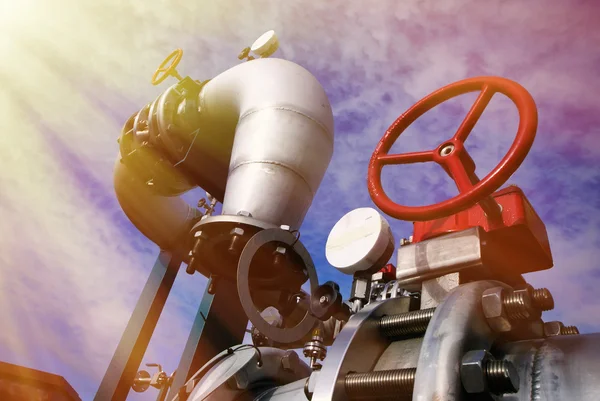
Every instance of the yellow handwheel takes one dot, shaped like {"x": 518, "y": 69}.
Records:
{"x": 174, "y": 58}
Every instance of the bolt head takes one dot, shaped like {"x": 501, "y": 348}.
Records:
{"x": 198, "y": 234}
{"x": 237, "y": 231}
{"x": 244, "y": 213}
{"x": 493, "y": 309}
{"x": 285, "y": 227}
{"x": 552, "y": 329}
{"x": 472, "y": 371}
{"x": 280, "y": 250}
{"x": 290, "y": 361}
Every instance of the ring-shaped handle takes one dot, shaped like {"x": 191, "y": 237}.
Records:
{"x": 279, "y": 335}
{"x": 175, "y": 56}
{"x": 451, "y": 154}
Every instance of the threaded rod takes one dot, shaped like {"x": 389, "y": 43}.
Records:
{"x": 502, "y": 377}
{"x": 516, "y": 305}
{"x": 385, "y": 383}
{"x": 542, "y": 298}
{"x": 569, "y": 330}
{"x": 404, "y": 324}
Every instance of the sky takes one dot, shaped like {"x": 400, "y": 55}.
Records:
{"x": 72, "y": 71}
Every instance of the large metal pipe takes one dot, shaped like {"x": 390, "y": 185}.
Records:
{"x": 260, "y": 133}
{"x": 557, "y": 368}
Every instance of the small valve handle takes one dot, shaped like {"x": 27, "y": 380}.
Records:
{"x": 326, "y": 301}
{"x": 164, "y": 70}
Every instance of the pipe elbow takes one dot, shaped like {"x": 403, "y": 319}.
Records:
{"x": 258, "y": 137}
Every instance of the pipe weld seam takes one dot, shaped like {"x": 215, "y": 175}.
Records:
{"x": 276, "y": 163}
{"x": 283, "y": 108}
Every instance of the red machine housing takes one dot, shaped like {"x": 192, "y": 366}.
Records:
{"x": 523, "y": 234}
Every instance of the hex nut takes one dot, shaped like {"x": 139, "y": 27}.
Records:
{"x": 289, "y": 361}
{"x": 244, "y": 213}
{"x": 280, "y": 250}
{"x": 472, "y": 371}
{"x": 552, "y": 329}
{"x": 237, "y": 231}
{"x": 493, "y": 309}
{"x": 285, "y": 227}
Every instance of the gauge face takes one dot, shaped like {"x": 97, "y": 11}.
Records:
{"x": 358, "y": 240}
{"x": 267, "y": 42}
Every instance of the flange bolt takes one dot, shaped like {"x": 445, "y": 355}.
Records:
{"x": 542, "y": 298}
{"x": 480, "y": 373}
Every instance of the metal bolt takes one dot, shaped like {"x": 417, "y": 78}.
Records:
{"x": 280, "y": 250}
{"x": 480, "y": 372}
{"x": 542, "y": 298}
{"x": 244, "y": 213}
{"x": 381, "y": 383}
{"x": 519, "y": 305}
{"x": 502, "y": 377}
{"x": 494, "y": 310}
{"x": 237, "y": 231}
{"x": 234, "y": 245}
{"x": 285, "y": 227}
{"x": 446, "y": 150}
{"x": 552, "y": 329}
{"x": 290, "y": 361}
{"x": 569, "y": 330}
{"x": 404, "y": 324}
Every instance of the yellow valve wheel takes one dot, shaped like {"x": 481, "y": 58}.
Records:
{"x": 163, "y": 71}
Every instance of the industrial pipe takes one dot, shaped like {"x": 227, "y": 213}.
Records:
{"x": 258, "y": 137}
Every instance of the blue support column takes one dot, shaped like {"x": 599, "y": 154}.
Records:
{"x": 127, "y": 358}
{"x": 219, "y": 324}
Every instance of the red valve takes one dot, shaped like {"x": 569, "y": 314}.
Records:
{"x": 451, "y": 154}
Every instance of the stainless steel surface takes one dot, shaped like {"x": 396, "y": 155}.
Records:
{"x": 434, "y": 291}
{"x": 397, "y": 383}
{"x": 289, "y": 392}
{"x": 283, "y": 141}
{"x": 400, "y": 354}
{"x": 233, "y": 219}
{"x": 241, "y": 371}
{"x": 437, "y": 257}
{"x": 357, "y": 348}
{"x": 458, "y": 326}
{"x": 282, "y": 123}
{"x": 561, "y": 368}
{"x": 405, "y": 324}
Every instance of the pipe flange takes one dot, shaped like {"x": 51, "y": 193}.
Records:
{"x": 279, "y": 335}
{"x": 457, "y": 326}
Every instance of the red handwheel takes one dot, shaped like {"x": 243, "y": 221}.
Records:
{"x": 451, "y": 154}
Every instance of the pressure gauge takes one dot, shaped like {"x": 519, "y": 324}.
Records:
{"x": 359, "y": 241}
{"x": 266, "y": 44}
